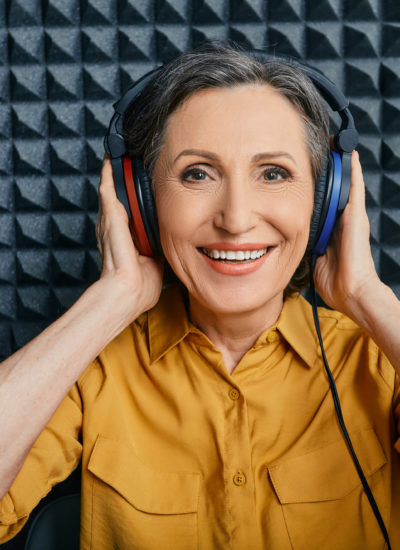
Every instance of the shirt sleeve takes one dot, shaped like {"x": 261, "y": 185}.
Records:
{"x": 54, "y": 455}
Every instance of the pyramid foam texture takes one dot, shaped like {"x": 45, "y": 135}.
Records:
{"x": 63, "y": 64}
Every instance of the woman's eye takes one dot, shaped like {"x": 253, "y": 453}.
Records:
{"x": 272, "y": 173}
{"x": 275, "y": 173}
{"x": 194, "y": 175}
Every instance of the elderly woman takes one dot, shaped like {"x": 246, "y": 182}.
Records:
{"x": 204, "y": 419}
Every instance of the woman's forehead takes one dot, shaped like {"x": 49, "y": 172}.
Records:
{"x": 242, "y": 117}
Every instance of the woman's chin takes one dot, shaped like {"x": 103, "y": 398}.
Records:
{"x": 232, "y": 301}
{"x": 224, "y": 292}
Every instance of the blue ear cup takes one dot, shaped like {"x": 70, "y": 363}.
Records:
{"x": 331, "y": 196}
{"x": 336, "y": 201}
{"x": 321, "y": 191}
{"x": 329, "y": 219}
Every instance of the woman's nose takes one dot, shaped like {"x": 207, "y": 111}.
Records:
{"x": 236, "y": 208}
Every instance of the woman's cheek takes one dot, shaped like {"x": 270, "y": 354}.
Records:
{"x": 291, "y": 217}
{"x": 175, "y": 234}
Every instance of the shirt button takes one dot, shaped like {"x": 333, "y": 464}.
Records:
{"x": 272, "y": 336}
{"x": 234, "y": 394}
{"x": 239, "y": 478}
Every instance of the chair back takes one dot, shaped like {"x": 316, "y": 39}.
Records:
{"x": 57, "y": 525}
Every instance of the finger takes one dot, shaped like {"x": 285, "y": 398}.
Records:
{"x": 355, "y": 226}
{"x": 106, "y": 177}
{"x": 357, "y": 186}
{"x": 107, "y": 195}
{"x": 106, "y": 200}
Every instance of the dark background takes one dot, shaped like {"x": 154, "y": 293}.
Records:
{"x": 64, "y": 62}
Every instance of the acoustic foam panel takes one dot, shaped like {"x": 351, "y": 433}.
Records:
{"x": 63, "y": 64}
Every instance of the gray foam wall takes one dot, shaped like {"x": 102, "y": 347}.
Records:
{"x": 64, "y": 62}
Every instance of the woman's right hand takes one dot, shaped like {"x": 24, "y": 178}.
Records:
{"x": 139, "y": 276}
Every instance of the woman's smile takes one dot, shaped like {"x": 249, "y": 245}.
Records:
{"x": 240, "y": 259}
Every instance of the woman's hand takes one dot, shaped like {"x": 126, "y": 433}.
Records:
{"x": 345, "y": 276}
{"x": 140, "y": 276}
{"x": 346, "y": 279}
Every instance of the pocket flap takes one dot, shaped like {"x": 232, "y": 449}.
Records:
{"x": 327, "y": 473}
{"x": 147, "y": 489}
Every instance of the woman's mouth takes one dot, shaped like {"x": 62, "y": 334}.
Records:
{"x": 241, "y": 261}
{"x": 234, "y": 256}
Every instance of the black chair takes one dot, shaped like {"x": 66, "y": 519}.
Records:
{"x": 56, "y": 526}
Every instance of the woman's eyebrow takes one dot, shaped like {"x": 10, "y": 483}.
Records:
{"x": 259, "y": 156}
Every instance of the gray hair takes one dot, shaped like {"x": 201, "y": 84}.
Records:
{"x": 216, "y": 64}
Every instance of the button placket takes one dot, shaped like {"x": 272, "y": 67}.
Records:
{"x": 240, "y": 502}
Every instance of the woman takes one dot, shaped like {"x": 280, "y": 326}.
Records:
{"x": 207, "y": 422}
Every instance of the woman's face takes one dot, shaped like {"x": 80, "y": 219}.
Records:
{"x": 234, "y": 180}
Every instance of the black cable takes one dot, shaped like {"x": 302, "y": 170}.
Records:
{"x": 338, "y": 409}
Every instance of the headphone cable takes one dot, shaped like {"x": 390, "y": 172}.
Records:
{"x": 338, "y": 409}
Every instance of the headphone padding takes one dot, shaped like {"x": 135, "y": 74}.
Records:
{"x": 320, "y": 200}
{"x": 147, "y": 206}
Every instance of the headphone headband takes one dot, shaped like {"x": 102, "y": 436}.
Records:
{"x": 346, "y": 140}
{"x": 132, "y": 183}
{"x": 123, "y": 103}
{"x": 114, "y": 143}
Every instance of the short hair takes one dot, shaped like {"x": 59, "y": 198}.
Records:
{"x": 217, "y": 64}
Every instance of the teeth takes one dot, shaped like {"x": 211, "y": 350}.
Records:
{"x": 231, "y": 255}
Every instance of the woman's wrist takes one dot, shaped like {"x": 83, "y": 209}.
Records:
{"x": 377, "y": 311}
{"x": 365, "y": 306}
{"x": 122, "y": 303}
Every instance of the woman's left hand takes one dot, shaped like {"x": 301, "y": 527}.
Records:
{"x": 345, "y": 275}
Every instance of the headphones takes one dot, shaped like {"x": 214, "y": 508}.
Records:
{"x": 133, "y": 185}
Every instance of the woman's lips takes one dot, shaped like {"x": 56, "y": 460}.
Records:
{"x": 240, "y": 259}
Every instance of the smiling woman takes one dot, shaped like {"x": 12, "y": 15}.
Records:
{"x": 199, "y": 408}
{"x": 216, "y": 67}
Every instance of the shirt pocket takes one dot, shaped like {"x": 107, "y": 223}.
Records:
{"x": 322, "y": 498}
{"x": 138, "y": 507}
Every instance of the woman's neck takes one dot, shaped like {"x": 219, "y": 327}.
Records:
{"x": 233, "y": 334}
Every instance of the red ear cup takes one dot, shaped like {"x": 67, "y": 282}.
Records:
{"x": 145, "y": 198}
{"x": 136, "y": 222}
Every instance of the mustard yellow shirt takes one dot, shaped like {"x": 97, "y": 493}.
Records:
{"x": 179, "y": 454}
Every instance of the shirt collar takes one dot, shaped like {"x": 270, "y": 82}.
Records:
{"x": 296, "y": 325}
{"x": 168, "y": 324}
